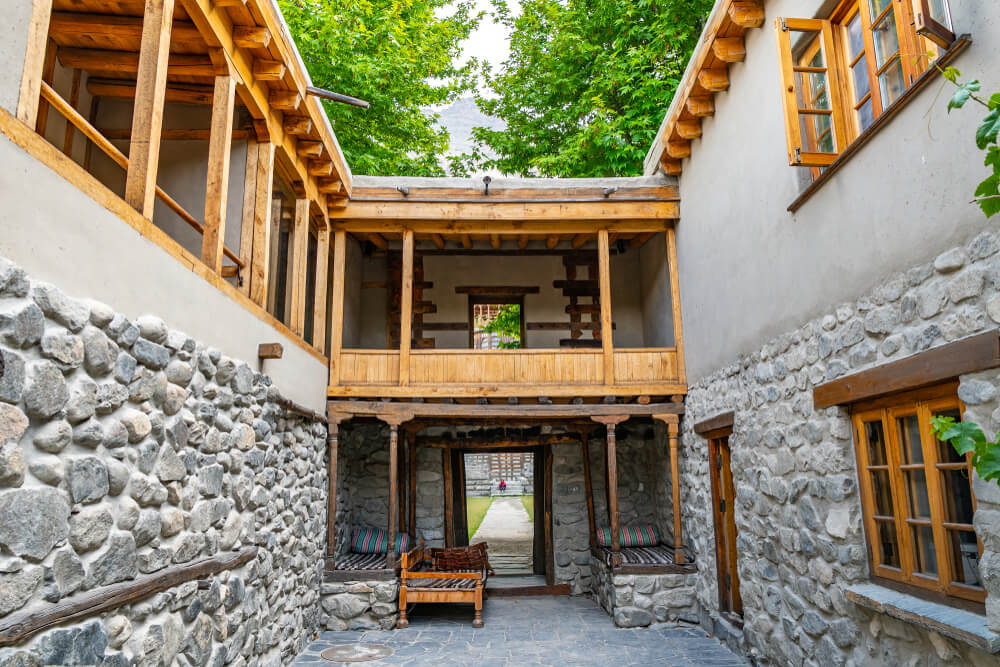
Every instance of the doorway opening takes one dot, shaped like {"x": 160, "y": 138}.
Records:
{"x": 724, "y": 498}
{"x": 500, "y": 508}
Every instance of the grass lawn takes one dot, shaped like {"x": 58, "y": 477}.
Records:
{"x": 475, "y": 510}
{"x": 529, "y": 506}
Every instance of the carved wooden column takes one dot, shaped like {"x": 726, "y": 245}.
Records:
{"x": 394, "y": 422}
{"x": 607, "y": 332}
{"x": 412, "y": 501}
{"x": 337, "y": 306}
{"x": 332, "y": 441}
{"x": 611, "y": 482}
{"x": 588, "y": 483}
{"x": 406, "y": 309}
{"x": 673, "y": 430}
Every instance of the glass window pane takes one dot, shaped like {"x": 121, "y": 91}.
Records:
{"x": 861, "y": 83}
{"x": 956, "y": 490}
{"x": 878, "y": 6}
{"x": 886, "y": 39}
{"x": 916, "y": 487}
{"x": 855, "y": 36}
{"x": 923, "y": 545}
{"x": 965, "y": 556}
{"x": 888, "y": 545}
{"x": 817, "y": 135}
{"x": 875, "y": 437}
{"x": 947, "y": 453}
{"x": 882, "y": 493}
{"x": 910, "y": 448}
{"x": 811, "y": 90}
{"x": 866, "y": 115}
{"x": 940, "y": 12}
{"x": 891, "y": 83}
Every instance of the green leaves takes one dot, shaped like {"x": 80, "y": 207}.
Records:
{"x": 988, "y": 130}
{"x": 987, "y": 192}
{"x": 963, "y": 94}
{"x": 967, "y": 437}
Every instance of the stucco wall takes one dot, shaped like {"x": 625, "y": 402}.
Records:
{"x": 62, "y": 236}
{"x": 654, "y": 292}
{"x": 750, "y": 270}
{"x": 14, "y": 30}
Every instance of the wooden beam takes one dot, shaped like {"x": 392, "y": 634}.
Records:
{"x": 449, "y": 498}
{"x": 551, "y": 242}
{"x": 129, "y": 63}
{"x": 308, "y": 149}
{"x": 16, "y": 628}
{"x": 604, "y": 268}
{"x": 286, "y": 100}
{"x": 729, "y": 49}
{"x": 337, "y": 304}
{"x": 671, "y": 167}
{"x": 270, "y": 351}
{"x": 147, "y": 115}
{"x": 580, "y": 240}
{"x": 319, "y": 307}
{"x": 246, "y": 221}
{"x": 679, "y": 150}
{"x": 438, "y": 241}
{"x": 675, "y": 302}
{"x": 716, "y": 423}
{"x": 559, "y": 216}
{"x": 251, "y": 37}
{"x": 503, "y": 442}
{"x": 495, "y": 241}
{"x": 261, "y": 259}
{"x": 437, "y": 411}
{"x": 377, "y": 241}
{"x": 320, "y": 167}
{"x": 687, "y": 129}
{"x": 229, "y": 3}
{"x": 406, "y": 309}
{"x": 330, "y": 186}
{"x": 298, "y": 262}
{"x": 701, "y": 106}
{"x": 522, "y": 242}
{"x": 74, "y": 100}
{"x": 466, "y": 241}
{"x": 176, "y": 92}
{"x": 746, "y": 14}
{"x": 29, "y": 94}
{"x": 714, "y": 80}
{"x": 268, "y": 70}
{"x": 77, "y": 25}
{"x": 297, "y": 125}
{"x": 217, "y": 182}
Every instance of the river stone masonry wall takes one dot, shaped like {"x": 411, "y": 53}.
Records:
{"x": 361, "y": 605}
{"x": 798, "y": 510}
{"x": 126, "y": 448}
{"x": 641, "y": 600}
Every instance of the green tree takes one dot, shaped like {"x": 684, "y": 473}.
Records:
{"x": 401, "y": 56}
{"x": 586, "y": 85}
{"x": 507, "y": 325}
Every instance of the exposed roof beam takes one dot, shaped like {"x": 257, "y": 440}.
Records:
{"x": 523, "y": 211}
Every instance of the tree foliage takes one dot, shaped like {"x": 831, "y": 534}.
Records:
{"x": 988, "y": 192}
{"x": 968, "y": 437}
{"x": 507, "y": 325}
{"x": 401, "y": 56}
{"x": 586, "y": 85}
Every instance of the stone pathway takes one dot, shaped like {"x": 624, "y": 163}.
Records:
{"x": 509, "y": 532}
{"x": 552, "y": 630}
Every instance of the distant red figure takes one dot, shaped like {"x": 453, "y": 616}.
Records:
{"x": 503, "y": 485}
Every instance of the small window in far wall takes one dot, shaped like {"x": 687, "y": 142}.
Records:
{"x": 496, "y": 326}
{"x": 917, "y": 496}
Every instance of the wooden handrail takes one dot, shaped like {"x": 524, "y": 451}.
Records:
{"x": 109, "y": 149}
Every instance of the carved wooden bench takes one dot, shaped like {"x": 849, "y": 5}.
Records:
{"x": 420, "y": 582}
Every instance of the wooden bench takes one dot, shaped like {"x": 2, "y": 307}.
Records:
{"x": 420, "y": 583}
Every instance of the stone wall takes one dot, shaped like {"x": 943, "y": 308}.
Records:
{"x": 640, "y": 600}
{"x": 361, "y": 605}
{"x": 798, "y": 511}
{"x": 128, "y": 447}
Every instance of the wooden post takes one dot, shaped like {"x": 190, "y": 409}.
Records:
{"x": 412, "y": 505}
{"x": 611, "y": 481}
{"x": 401, "y": 485}
{"x": 604, "y": 268}
{"x": 390, "y": 552}
{"x": 337, "y": 307}
{"x": 332, "y": 438}
{"x": 147, "y": 115}
{"x": 588, "y": 483}
{"x": 406, "y": 309}
{"x": 550, "y": 562}
{"x": 260, "y": 263}
{"x": 246, "y": 219}
{"x": 34, "y": 62}
{"x": 319, "y": 309}
{"x": 300, "y": 248}
{"x": 675, "y": 301}
{"x": 217, "y": 185}
{"x": 673, "y": 429}
{"x": 449, "y": 499}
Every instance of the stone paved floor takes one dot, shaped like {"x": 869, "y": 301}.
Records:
{"x": 530, "y": 631}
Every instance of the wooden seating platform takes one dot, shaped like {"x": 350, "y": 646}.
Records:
{"x": 646, "y": 560}
{"x": 420, "y": 582}
{"x": 357, "y": 567}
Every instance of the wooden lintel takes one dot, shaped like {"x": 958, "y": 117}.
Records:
{"x": 716, "y": 423}
{"x": 597, "y": 413}
{"x": 499, "y": 443}
{"x": 497, "y": 290}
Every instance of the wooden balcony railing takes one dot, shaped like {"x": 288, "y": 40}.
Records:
{"x": 648, "y": 371}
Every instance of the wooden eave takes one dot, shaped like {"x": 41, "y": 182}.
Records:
{"x": 102, "y": 37}
{"x": 721, "y": 44}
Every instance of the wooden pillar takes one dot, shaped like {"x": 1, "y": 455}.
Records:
{"x": 260, "y": 261}
{"x": 332, "y": 439}
{"x": 246, "y": 219}
{"x": 337, "y": 307}
{"x": 390, "y": 553}
{"x": 34, "y": 62}
{"x": 673, "y": 430}
{"x": 300, "y": 250}
{"x": 147, "y": 114}
{"x": 675, "y": 301}
{"x": 403, "y": 480}
{"x": 217, "y": 183}
{"x": 319, "y": 309}
{"x": 412, "y": 504}
{"x": 550, "y": 562}
{"x": 611, "y": 481}
{"x": 604, "y": 269}
{"x": 449, "y": 498}
{"x": 589, "y": 485}
{"x": 406, "y": 309}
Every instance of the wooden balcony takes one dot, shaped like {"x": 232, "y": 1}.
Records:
{"x": 507, "y": 373}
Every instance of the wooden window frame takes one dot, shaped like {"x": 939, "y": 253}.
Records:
{"x": 498, "y": 300}
{"x": 886, "y": 410}
{"x": 928, "y": 28}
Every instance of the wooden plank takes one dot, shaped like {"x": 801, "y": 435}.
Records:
{"x": 217, "y": 183}
{"x": 270, "y": 351}
{"x": 18, "y": 627}
{"x": 297, "y": 262}
{"x": 67, "y": 28}
{"x": 718, "y": 422}
{"x": 176, "y": 92}
{"x": 261, "y": 260}
{"x": 337, "y": 305}
{"x": 946, "y": 362}
{"x": 319, "y": 307}
{"x": 557, "y": 217}
{"x": 675, "y": 303}
{"x": 34, "y": 62}
{"x": 553, "y": 411}
{"x": 604, "y": 267}
{"x": 406, "y": 306}
{"x": 147, "y": 115}
{"x": 127, "y": 64}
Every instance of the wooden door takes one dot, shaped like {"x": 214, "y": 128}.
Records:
{"x": 724, "y": 498}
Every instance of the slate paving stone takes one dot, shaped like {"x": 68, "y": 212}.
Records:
{"x": 555, "y": 631}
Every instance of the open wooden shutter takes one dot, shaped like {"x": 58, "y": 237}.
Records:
{"x": 933, "y": 22}
{"x": 814, "y": 110}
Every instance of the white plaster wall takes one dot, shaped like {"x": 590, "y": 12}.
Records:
{"x": 60, "y": 235}
{"x": 654, "y": 292}
{"x": 749, "y": 270}
{"x": 374, "y": 304}
{"x": 352, "y": 294}
{"x": 14, "y": 33}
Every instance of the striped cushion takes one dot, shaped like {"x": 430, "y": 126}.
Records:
{"x": 368, "y": 540}
{"x": 639, "y": 535}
